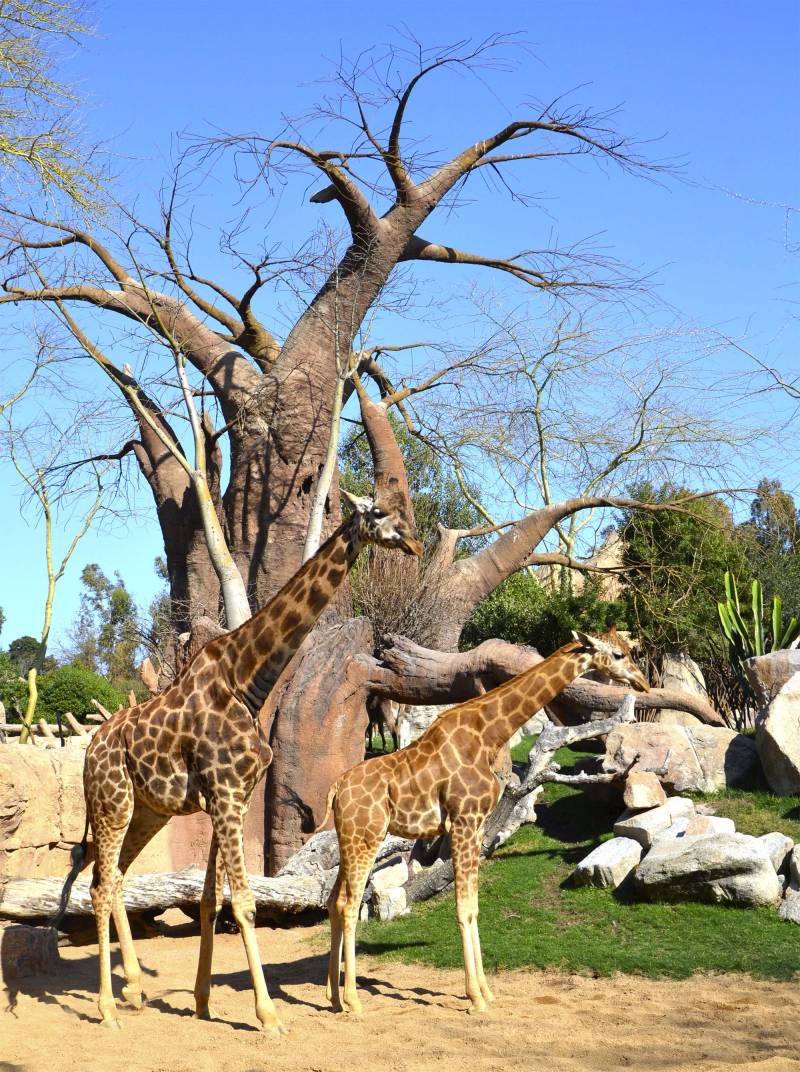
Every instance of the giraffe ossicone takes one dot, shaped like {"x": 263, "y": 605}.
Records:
{"x": 445, "y": 780}
{"x": 198, "y": 746}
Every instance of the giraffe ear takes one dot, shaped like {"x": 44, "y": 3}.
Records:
{"x": 585, "y": 639}
{"x": 362, "y": 504}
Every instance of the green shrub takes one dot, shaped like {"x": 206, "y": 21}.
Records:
{"x": 13, "y": 691}
{"x": 521, "y": 611}
{"x": 72, "y": 688}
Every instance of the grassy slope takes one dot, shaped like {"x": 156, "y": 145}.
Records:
{"x": 531, "y": 918}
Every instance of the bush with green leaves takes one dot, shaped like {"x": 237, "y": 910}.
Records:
{"x": 674, "y": 562}
{"x": 13, "y": 690}
{"x": 72, "y": 688}
{"x": 521, "y": 611}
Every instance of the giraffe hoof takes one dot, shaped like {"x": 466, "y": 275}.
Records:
{"x": 113, "y": 1025}
{"x": 135, "y": 998}
{"x": 203, "y": 1014}
{"x": 274, "y": 1027}
{"x": 477, "y": 1007}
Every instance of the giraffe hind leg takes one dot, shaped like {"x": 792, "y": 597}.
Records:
{"x": 103, "y": 891}
{"x": 357, "y": 858}
{"x": 210, "y": 905}
{"x": 144, "y": 825}
{"x": 335, "y": 959}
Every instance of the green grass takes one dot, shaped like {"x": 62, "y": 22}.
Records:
{"x": 530, "y": 917}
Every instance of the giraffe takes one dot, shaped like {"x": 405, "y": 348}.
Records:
{"x": 444, "y": 781}
{"x": 199, "y": 746}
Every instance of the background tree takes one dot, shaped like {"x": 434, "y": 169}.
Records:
{"x": 770, "y": 540}
{"x": 34, "y": 474}
{"x": 39, "y": 138}
{"x": 105, "y": 637}
{"x": 269, "y": 399}
{"x": 675, "y": 564}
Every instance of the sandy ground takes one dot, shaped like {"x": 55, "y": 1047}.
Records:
{"x": 414, "y": 1018}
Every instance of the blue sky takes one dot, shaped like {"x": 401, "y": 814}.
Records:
{"x": 716, "y": 82}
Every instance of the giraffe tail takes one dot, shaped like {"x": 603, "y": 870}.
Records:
{"x": 77, "y": 856}
{"x": 334, "y": 789}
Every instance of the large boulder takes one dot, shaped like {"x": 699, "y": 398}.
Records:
{"x": 769, "y": 673}
{"x": 733, "y": 868}
{"x": 697, "y": 759}
{"x": 778, "y": 734}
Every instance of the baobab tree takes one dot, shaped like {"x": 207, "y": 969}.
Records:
{"x": 277, "y": 396}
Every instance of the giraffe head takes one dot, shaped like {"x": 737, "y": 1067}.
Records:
{"x": 381, "y": 522}
{"x": 610, "y": 657}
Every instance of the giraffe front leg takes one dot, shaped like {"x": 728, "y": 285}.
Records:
{"x": 466, "y": 841}
{"x": 210, "y": 905}
{"x": 132, "y": 991}
{"x": 227, "y": 823}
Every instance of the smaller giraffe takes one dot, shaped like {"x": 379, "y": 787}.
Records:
{"x": 445, "y": 781}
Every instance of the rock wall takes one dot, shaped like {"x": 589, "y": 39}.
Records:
{"x": 42, "y": 816}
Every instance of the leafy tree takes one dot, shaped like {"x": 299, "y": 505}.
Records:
{"x": 772, "y": 544}
{"x": 13, "y": 690}
{"x": 2, "y": 619}
{"x": 105, "y": 638}
{"x": 675, "y": 563}
{"x": 23, "y": 652}
{"x": 72, "y": 688}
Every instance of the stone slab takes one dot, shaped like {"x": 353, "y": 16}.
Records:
{"x": 609, "y": 864}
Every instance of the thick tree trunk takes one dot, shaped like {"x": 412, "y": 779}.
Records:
{"x": 318, "y": 717}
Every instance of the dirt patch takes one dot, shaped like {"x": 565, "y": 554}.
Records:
{"x": 414, "y": 1018}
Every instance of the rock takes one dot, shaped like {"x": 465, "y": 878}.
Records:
{"x": 26, "y": 951}
{"x": 698, "y": 759}
{"x": 709, "y": 825}
{"x": 789, "y": 908}
{"x": 393, "y": 873}
{"x": 680, "y": 672}
{"x": 778, "y": 847}
{"x": 387, "y": 904}
{"x": 643, "y": 790}
{"x": 778, "y": 735}
{"x": 732, "y": 868}
{"x": 769, "y": 673}
{"x": 676, "y": 829}
{"x": 388, "y": 898}
{"x": 609, "y": 864}
{"x": 794, "y": 866}
{"x": 645, "y": 827}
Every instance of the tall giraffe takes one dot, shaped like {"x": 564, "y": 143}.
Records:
{"x": 198, "y": 746}
{"x": 444, "y": 781}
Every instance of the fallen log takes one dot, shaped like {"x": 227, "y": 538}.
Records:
{"x": 303, "y": 886}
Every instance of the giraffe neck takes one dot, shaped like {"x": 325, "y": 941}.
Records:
{"x": 262, "y": 646}
{"x": 509, "y": 706}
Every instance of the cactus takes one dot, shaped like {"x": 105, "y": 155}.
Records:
{"x": 745, "y": 640}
